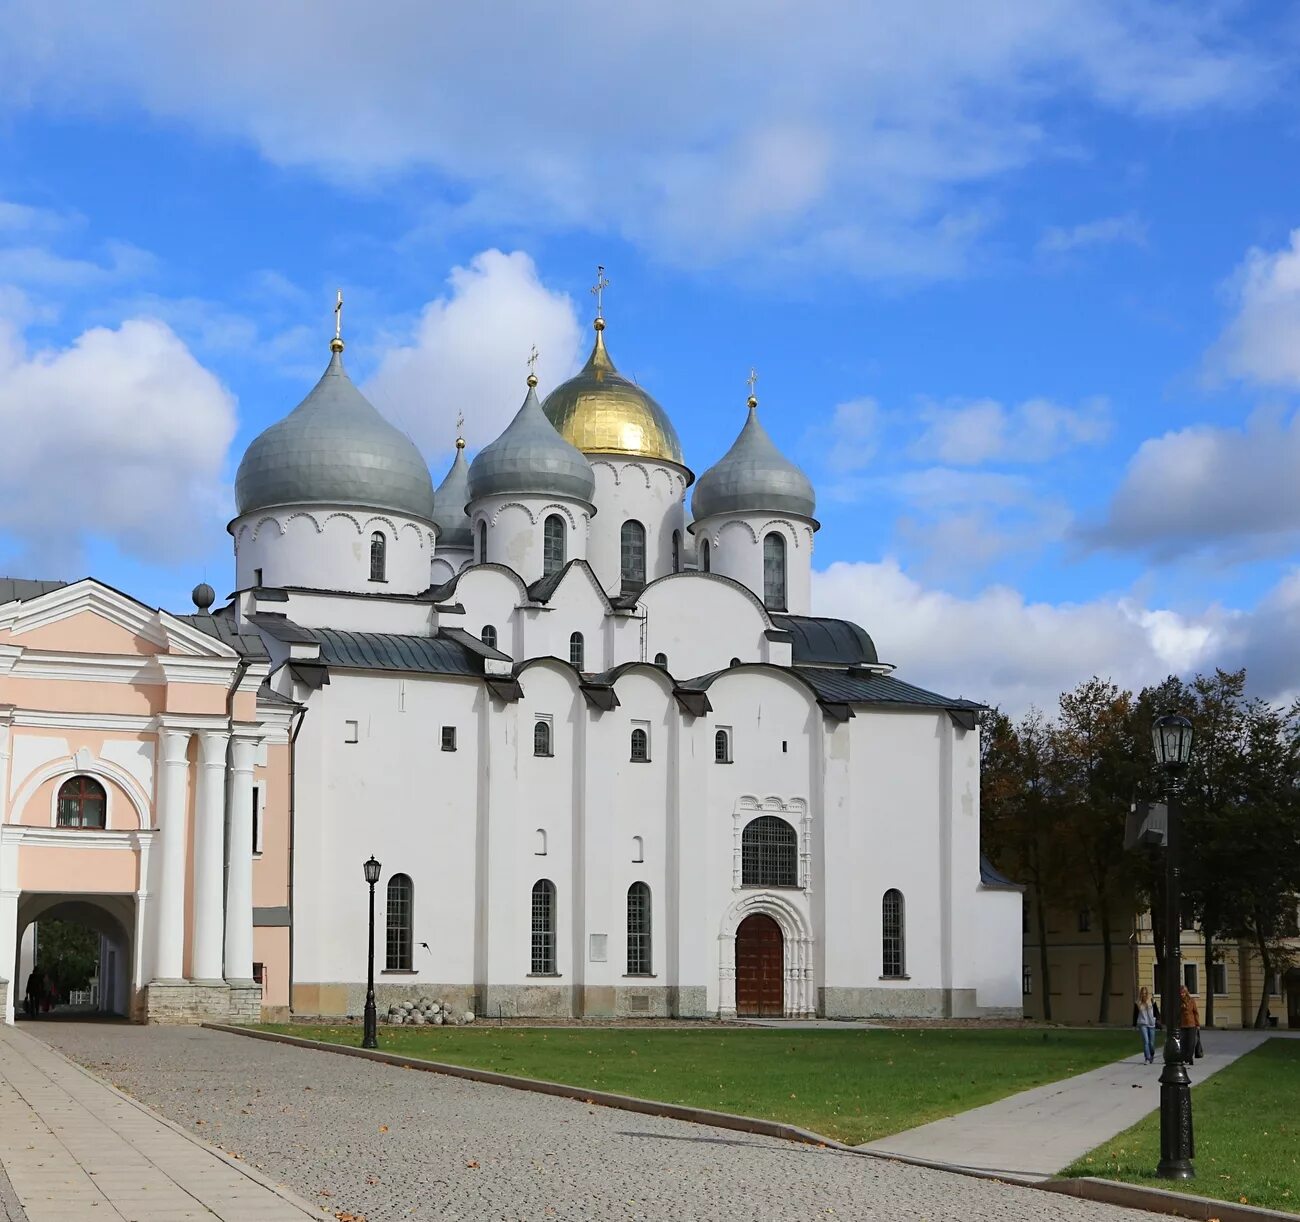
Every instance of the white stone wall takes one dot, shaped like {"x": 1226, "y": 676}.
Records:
{"x": 514, "y": 530}
{"x": 736, "y": 551}
{"x": 651, "y": 493}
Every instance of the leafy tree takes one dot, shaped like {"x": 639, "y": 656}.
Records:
{"x": 67, "y": 953}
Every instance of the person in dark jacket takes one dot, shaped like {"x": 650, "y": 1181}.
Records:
{"x": 1189, "y": 1019}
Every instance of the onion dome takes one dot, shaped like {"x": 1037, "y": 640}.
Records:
{"x": 334, "y": 448}
{"x": 531, "y": 457}
{"x": 753, "y": 477}
{"x": 449, "y": 503}
{"x": 601, "y": 412}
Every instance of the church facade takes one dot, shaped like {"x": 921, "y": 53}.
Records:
{"x": 609, "y": 761}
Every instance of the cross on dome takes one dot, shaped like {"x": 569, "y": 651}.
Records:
{"x": 336, "y": 344}
{"x": 753, "y": 381}
{"x": 598, "y": 291}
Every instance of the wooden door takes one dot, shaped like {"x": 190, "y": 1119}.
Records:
{"x": 760, "y": 968}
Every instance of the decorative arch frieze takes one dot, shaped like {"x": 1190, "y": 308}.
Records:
{"x": 351, "y": 517}
{"x": 598, "y": 463}
{"x": 257, "y": 529}
{"x": 792, "y": 531}
{"x": 642, "y": 468}
{"x": 742, "y": 524}
{"x": 563, "y": 510}
{"x": 500, "y": 509}
{"x": 379, "y": 517}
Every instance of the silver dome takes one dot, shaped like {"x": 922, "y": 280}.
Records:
{"x": 334, "y": 448}
{"x": 753, "y": 477}
{"x": 530, "y": 456}
{"x": 449, "y": 504}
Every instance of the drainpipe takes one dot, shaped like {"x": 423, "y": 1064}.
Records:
{"x": 241, "y": 669}
{"x": 300, "y": 714}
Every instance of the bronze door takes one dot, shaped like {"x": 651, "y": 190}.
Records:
{"x": 760, "y": 968}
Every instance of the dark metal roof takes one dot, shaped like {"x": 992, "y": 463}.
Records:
{"x": 221, "y": 626}
{"x": 20, "y": 589}
{"x": 866, "y": 687}
{"x": 282, "y": 628}
{"x": 827, "y": 642}
{"x": 472, "y": 644}
{"x": 436, "y": 655}
{"x": 990, "y": 876}
{"x": 266, "y": 694}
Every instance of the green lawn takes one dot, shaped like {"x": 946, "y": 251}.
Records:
{"x": 852, "y": 1085}
{"x": 1247, "y": 1135}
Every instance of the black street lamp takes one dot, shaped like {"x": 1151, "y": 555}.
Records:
{"x": 370, "y": 1037}
{"x": 1173, "y": 743}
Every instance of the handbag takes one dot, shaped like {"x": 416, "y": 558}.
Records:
{"x": 1200, "y": 1052}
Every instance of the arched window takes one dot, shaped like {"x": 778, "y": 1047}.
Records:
{"x": 542, "y": 738}
{"x": 677, "y": 551}
{"x": 774, "y": 571}
{"x": 577, "y": 652}
{"x": 661, "y": 659}
{"x": 632, "y": 555}
{"x": 378, "y": 557}
{"x": 722, "y": 747}
{"x": 892, "y": 961}
{"x": 706, "y": 557}
{"x": 488, "y": 636}
{"x": 638, "y": 930}
{"x": 552, "y": 545}
{"x": 769, "y": 853}
{"x": 543, "y": 963}
{"x": 482, "y": 542}
{"x": 640, "y": 745}
{"x": 401, "y": 897}
{"x": 540, "y": 850}
{"x": 82, "y": 803}
{"x": 638, "y": 849}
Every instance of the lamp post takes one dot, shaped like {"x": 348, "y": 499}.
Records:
{"x": 1172, "y": 735}
{"x": 370, "y": 1037}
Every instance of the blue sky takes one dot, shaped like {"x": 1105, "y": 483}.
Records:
{"x": 1020, "y": 286}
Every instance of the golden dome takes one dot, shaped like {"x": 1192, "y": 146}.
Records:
{"x": 601, "y": 412}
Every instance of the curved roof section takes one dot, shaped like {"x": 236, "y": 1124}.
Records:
{"x": 334, "y": 448}
{"x": 753, "y": 477}
{"x": 602, "y": 412}
{"x": 531, "y": 457}
{"x": 449, "y": 503}
{"x": 827, "y": 642}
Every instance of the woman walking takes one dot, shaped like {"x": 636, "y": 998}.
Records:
{"x": 1189, "y": 1019}
{"x": 1146, "y": 1018}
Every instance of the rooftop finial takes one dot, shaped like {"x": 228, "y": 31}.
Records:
{"x": 460, "y": 430}
{"x": 336, "y": 344}
{"x": 598, "y": 291}
{"x": 532, "y": 367}
{"x": 753, "y": 381}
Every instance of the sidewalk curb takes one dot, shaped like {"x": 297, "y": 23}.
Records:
{"x": 258, "y": 1177}
{"x": 1110, "y": 1192}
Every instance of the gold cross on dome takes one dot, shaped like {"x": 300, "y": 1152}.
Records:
{"x": 598, "y": 289}
{"x": 532, "y": 360}
{"x": 460, "y": 424}
{"x": 752, "y": 380}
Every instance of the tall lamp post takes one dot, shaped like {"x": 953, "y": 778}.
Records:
{"x": 1172, "y": 734}
{"x": 370, "y": 1037}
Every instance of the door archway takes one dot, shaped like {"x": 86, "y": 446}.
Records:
{"x": 760, "y": 967}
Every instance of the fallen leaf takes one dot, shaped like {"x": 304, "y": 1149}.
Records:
{"x": 472, "y": 1163}
{"x": 383, "y": 1128}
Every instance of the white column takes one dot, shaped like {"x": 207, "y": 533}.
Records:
{"x": 239, "y": 874}
{"x": 209, "y": 855}
{"x": 169, "y": 912}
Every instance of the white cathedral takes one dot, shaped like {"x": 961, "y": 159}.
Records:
{"x": 608, "y": 760}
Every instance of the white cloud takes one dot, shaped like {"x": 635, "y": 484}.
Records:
{"x": 734, "y": 130}
{"x": 1107, "y": 231}
{"x": 850, "y": 440}
{"x": 998, "y": 647}
{"x": 1262, "y": 342}
{"x": 120, "y": 436}
{"x": 971, "y": 433}
{"x": 1208, "y": 488}
{"x": 468, "y": 352}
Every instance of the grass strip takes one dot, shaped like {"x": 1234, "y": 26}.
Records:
{"x": 852, "y": 1085}
{"x": 1247, "y": 1135}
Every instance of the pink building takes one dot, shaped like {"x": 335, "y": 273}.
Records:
{"x": 144, "y": 792}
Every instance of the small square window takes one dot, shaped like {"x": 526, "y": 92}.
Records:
{"x": 449, "y": 738}
{"x": 351, "y": 733}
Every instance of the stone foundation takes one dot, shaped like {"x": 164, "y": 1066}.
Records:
{"x": 903, "y": 1003}
{"x": 189, "y": 1001}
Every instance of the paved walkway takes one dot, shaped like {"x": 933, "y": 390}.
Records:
{"x": 1039, "y": 1132}
{"x": 393, "y": 1144}
{"x": 72, "y": 1148}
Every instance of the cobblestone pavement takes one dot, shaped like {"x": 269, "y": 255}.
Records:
{"x": 385, "y": 1143}
{"x": 10, "y": 1209}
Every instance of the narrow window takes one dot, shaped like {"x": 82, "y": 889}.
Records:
{"x": 1085, "y": 920}
{"x": 552, "y": 545}
{"x": 543, "y": 928}
{"x": 482, "y": 543}
{"x": 677, "y": 551}
{"x": 542, "y": 738}
{"x": 722, "y": 747}
{"x": 378, "y": 557}
{"x": 638, "y": 850}
{"x": 257, "y": 577}
{"x": 769, "y": 853}
{"x": 351, "y": 732}
{"x": 82, "y": 802}
{"x": 449, "y": 738}
{"x": 774, "y": 572}
{"x": 1219, "y": 978}
{"x": 705, "y": 557}
{"x": 1026, "y": 981}
{"x": 661, "y": 659}
{"x": 640, "y": 745}
{"x": 577, "y": 652}
{"x": 400, "y": 896}
{"x": 638, "y": 930}
{"x": 632, "y": 552}
{"x": 891, "y": 934}
{"x": 1190, "y": 979}
{"x": 488, "y": 636}
{"x": 540, "y": 850}
{"x": 257, "y": 820}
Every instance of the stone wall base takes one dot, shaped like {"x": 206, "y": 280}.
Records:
{"x": 188, "y": 1001}
{"x": 903, "y": 1003}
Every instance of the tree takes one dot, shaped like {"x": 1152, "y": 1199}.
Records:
{"x": 67, "y": 953}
